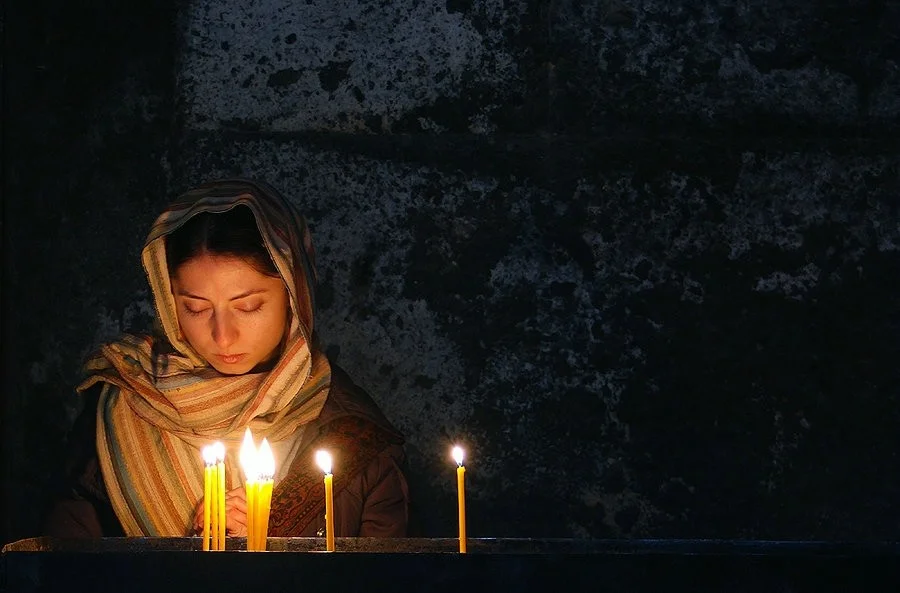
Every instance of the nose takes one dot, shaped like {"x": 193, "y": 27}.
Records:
{"x": 224, "y": 331}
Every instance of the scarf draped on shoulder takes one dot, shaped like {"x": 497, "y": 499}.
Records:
{"x": 161, "y": 402}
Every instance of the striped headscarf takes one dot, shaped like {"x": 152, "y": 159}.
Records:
{"x": 161, "y": 402}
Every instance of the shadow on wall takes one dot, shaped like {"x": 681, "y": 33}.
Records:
{"x": 90, "y": 103}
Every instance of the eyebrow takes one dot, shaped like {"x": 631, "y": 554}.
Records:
{"x": 184, "y": 293}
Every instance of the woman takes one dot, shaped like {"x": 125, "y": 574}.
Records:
{"x": 231, "y": 269}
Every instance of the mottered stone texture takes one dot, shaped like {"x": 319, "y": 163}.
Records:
{"x": 640, "y": 258}
{"x": 648, "y": 353}
{"x": 480, "y": 67}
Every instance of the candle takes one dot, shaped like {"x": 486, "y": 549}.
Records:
{"x": 213, "y": 501}
{"x": 323, "y": 459}
{"x": 248, "y": 458}
{"x": 209, "y": 464}
{"x": 461, "y": 496}
{"x": 220, "y": 497}
{"x": 266, "y": 465}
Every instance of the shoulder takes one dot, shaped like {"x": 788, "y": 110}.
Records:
{"x": 347, "y": 399}
{"x": 350, "y": 411}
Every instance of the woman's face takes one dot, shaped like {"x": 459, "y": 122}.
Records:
{"x": 230, "y": 313}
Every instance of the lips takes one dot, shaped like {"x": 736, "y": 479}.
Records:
{"x": 231, "y": 358}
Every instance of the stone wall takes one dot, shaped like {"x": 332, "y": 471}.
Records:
{"x": 638, "y": 257}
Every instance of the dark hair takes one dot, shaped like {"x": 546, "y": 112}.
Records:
{"x": 233, "y": 233}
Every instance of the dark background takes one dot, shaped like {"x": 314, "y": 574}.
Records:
{"x": 641, "y": 258}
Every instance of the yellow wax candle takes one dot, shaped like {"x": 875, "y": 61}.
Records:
{"x": 263, "y": 505}
{"x": 323, "y": 458}
{"x": 220, "y": 499}
{"x": 248, "y": 458}
{"x": 461, "y": 496}
{"x": 329, "y": 513}
{"x": 266, "y": 465}
{"x": 250, "y": 488}
{"x": 208, "y": 464}
{"x": 214, "y": 505}
{"x": 207, "y": 491}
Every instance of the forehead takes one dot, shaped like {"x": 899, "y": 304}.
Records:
{"x": 208, "y": 272}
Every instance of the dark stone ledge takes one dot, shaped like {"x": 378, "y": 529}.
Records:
{"x": 175, "y": 564}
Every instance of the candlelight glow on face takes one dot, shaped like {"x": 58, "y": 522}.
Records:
{"x": 458, "y": 455}
{"x": 323, "y": 460}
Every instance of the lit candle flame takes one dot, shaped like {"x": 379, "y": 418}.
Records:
{"x": 458, "y": 455}
{"x": 209, "y": 455}
{"x": 265, "y": 461}
{"x": 323, "y": 460}
{"x": 219, "y": 449}
{"x": 248, "y": 457}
